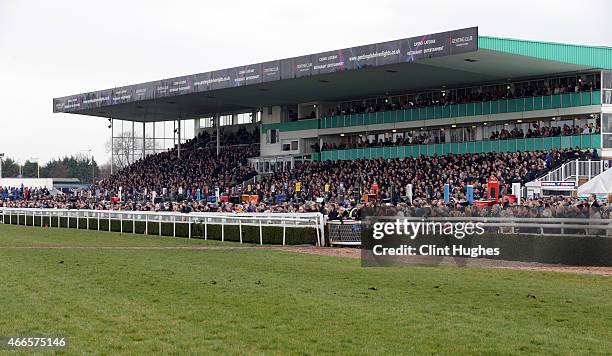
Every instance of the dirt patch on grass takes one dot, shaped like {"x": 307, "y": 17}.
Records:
{"x": 343, "y": 252}
{"x": 467, "y": 262}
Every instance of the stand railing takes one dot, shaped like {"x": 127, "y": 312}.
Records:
{"x": 573, "y": 170}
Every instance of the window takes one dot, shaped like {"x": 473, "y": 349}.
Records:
{"x": 290, "y": 145}
{"x": 225, "y": 120}
{"x": 457, "y": 135}
{"x": 206, "y": 122}
{"x": 272, "y": 136}
{"x": 244, "y": 118}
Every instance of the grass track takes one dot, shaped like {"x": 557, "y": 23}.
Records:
{"x": 274, "y": 302}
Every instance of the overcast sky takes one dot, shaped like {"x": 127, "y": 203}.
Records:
{"x": 56, "y": 48}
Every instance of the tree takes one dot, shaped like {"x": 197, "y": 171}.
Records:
{"x": 29, "y": 169}
{"x": 104, "y": 171}
{"x": 10, "y": 168}
{"x": 127, "y": 148}
{"x": 80, "y": 166}
{"x": 55, "y": 169}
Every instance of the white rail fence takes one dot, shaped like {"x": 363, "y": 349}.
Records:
{"x": 348, "y": 233}
{"x": 167, "y": 223}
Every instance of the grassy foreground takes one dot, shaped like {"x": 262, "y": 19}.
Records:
{"x": 259, "y": 301}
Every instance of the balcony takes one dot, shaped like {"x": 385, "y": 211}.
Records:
{"x": 557, "y": 101}
{"x": 484, "y": 146}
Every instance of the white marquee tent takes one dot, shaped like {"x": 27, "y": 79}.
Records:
{"x": 600, "y": 184}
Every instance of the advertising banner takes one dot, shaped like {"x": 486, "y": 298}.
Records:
{"x": 372, "y": 55}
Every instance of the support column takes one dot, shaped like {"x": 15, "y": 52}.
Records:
{"x": 217, "y": 123}
{"x": 179, "y": 138}
{"x": 133, "y": 142}
{"x": 144, "y": 125}
{"x": 112, "y": 145}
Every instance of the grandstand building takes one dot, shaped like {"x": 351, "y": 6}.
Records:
{"x": 449, "y": 92}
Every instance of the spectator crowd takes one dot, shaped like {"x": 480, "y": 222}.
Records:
{"x": 165, "y": 174}
{"x": 537, "y": 131}
{"x": 340, "y": 189}
{"x": 470, "y": 95}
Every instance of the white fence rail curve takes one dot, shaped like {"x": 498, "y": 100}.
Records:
{"x": 54, "y": 218}
{"x": 348, "y": 233}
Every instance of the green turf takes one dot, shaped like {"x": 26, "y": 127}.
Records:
{"x": 273, "y": 302}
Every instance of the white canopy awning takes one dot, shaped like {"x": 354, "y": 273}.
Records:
{"x": 600, "y": 184}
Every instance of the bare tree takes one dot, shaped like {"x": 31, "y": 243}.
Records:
{"x": 104, "y": 171}
{"x": 127, "y": 149}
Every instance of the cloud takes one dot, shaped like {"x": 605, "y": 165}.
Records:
{"x": 56, "y": 48}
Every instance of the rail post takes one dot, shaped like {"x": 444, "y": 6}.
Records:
{"x": 319, "y": 243}
{"x": 240, "y": 228}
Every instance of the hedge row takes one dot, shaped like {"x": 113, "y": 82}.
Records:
{"x": 250, "y": 234}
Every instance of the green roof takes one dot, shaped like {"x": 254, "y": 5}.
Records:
{"x": 592, "y": 56}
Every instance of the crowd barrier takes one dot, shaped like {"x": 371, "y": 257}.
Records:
{"x": 277, "y": 228}
{"x": 348, "y": 233}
